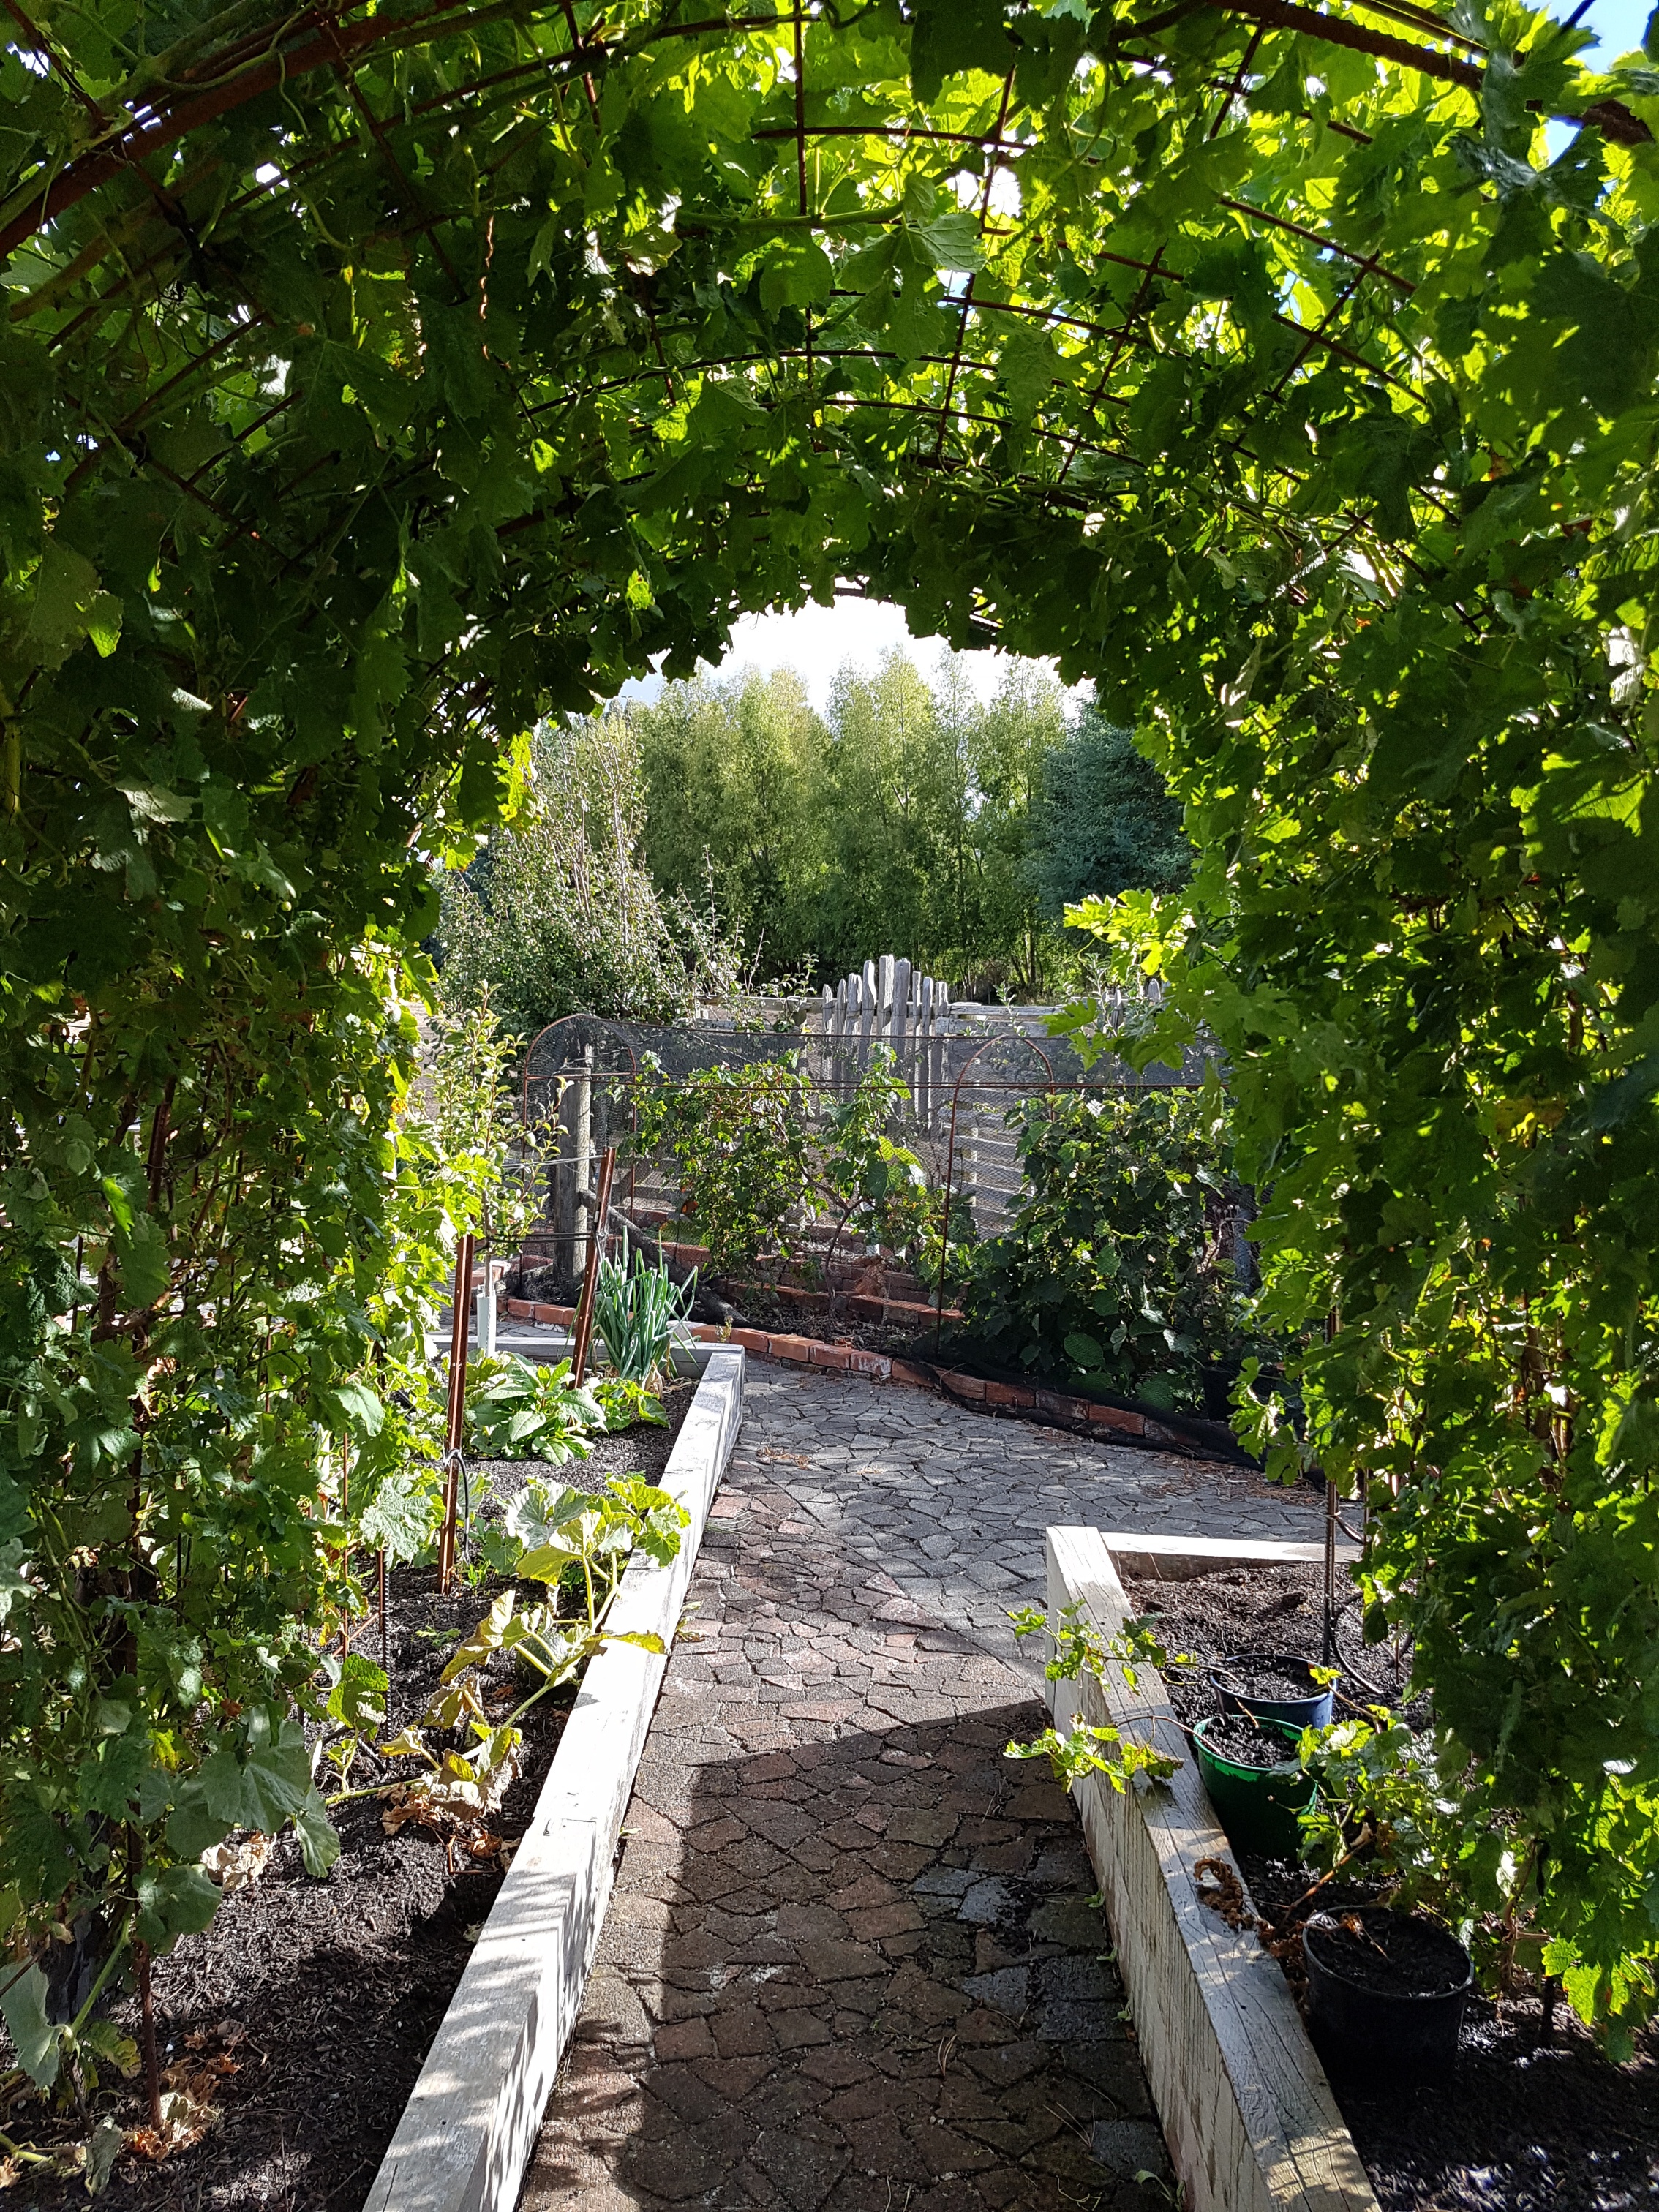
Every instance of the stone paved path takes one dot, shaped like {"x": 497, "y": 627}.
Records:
{"x": 851, "y": 1964}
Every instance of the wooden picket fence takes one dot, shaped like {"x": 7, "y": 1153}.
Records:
{"x": 890, "y": 1003}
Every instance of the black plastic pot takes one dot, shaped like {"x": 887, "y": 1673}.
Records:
{"x": 1395, "y": 2033}
{"x": 1315, "y": 1711}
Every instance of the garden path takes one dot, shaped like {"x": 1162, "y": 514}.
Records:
{"x": 851, "y": 1963}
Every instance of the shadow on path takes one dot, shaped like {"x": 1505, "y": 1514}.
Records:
{"x": 851, "y": 1962}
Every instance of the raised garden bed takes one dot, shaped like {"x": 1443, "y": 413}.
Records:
{"x": 1520, "y": 2122}
{"x": 1251, "y": 2115}
{"x": 308, "y": 2013}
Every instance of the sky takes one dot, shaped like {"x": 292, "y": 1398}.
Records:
{"x": 1618, "y": 23}
{"x": 816, "y": 640}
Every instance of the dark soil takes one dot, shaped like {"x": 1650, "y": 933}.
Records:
{"x": 306, "y": 2010}
{"x": 1279, "y": 1684}
{"x": 1525, "y": 2122}
{"x": 1236, "y": 1737}
{"x": 643, "y": 1450}
{"x": 1390, "y": 1952}
{"x": 1271, "y": 1614}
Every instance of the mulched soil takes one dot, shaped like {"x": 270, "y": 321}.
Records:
{"x": 1235, "y": 1737}
{"x": 306, "y": 2011}
{"x": 826, "y": 1325}
{"x": 1525, "y": 2122}
{"x": 1267, "y": 1678}
{"x": 1394, "y": 1954}
{"x": 1276, "y": 1611}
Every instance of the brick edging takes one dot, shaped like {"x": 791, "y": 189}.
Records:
{"x": 881, "y": 1367}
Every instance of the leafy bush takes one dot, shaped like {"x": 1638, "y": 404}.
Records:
{"x": 761, "y": 1156}
{"x": 634, "y": 1310}
{"x": 559, "y": 915}
{"x": 1117, "y": 1271}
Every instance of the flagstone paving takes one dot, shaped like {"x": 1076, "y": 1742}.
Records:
{"x": 851, "y": 1964}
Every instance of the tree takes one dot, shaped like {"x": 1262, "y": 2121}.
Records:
{"x": 900, "y": 823}
{"x": 558, "y": 915}
{"x": 1013, "y": 740}
{"x": 737, "y": 805}
{"x": 900, "y": 783}
{"x": 1105, "y": 821}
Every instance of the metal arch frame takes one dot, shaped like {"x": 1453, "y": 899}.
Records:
{"x": 603, "y": 1021}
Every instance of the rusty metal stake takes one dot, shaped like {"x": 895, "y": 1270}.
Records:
{"x": 591, "y": 1279}
{"x": 147, "y": 2036}
{"x": 455, "y": 1422}
{"x": 386, "y": 1648}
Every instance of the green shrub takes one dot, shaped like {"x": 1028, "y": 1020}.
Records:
{"x": 761, "y": 1156}
{"x": 1118, "y": 1270}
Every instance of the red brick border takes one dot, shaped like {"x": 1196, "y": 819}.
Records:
{"x": 878, "y": 1367}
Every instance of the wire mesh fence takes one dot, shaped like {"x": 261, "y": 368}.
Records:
{"x": 967, "y": 1076}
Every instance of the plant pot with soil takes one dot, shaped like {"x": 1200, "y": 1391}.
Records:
{"x": 1274, "y": 1686}
{"x": 1385, "y": 1991}
{"x": 1255, "y": 1781}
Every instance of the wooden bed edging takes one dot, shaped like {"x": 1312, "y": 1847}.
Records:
{"x": 1247, "y": 2113}
{"x": 469, "y": 2127}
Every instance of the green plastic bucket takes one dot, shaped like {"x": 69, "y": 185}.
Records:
{"x": 1257, "y": 1805}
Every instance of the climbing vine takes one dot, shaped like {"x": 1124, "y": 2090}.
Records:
{"x": 373, "y": 383}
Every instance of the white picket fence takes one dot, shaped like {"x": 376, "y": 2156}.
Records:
{"x": 890, "y": 1003}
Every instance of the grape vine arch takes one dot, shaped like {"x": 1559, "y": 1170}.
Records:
{"x": 376, "y": 381}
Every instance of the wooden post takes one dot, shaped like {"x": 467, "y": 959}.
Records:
{"x": 582, "y": 1143}
{"x": 867, "y": 1012}
{"x": 898, "y": 1025}
{"x": 455, "y": 1421}
{"x": 147, "y": 2036}
{"x": 590, "y": 1279}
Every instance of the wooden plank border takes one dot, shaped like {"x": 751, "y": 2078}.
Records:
{"x": 1247, "y": 2112}
{"x": 468, "y": 2130}
{"x": 1181, "y": 1559}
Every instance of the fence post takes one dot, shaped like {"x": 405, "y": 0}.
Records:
{"x": 867, "y": 1012}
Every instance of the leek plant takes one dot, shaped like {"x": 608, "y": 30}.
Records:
{"x": 635, "y": 1310}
